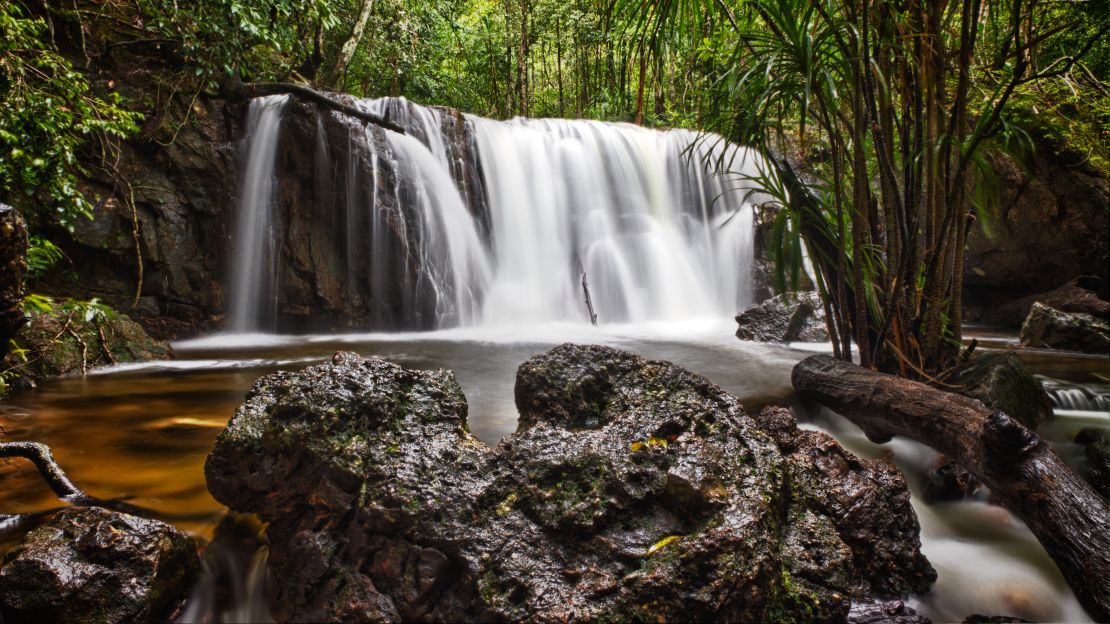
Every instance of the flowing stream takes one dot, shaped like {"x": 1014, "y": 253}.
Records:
{"x": 666, "y": 246}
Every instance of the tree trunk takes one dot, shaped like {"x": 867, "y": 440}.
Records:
{"x": 244, "y": 91}
{"x": 1069, "y": 518}
{"x": 347, "y": 51}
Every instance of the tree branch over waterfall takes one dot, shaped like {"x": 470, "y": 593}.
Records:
{"x": 246, "y": 91}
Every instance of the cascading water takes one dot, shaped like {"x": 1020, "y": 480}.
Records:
{"x": 255, "y": 250}
{"x": 463, "y": 221}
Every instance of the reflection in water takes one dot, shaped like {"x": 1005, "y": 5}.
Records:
{"x": 143, "y": 432}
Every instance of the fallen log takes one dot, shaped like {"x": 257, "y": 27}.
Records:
{"x": 244, "y": 91}
{"x": 1066, "y": 515}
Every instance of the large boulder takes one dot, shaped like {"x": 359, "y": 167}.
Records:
{"x": 1049, "y": 226}
{"x": 1000, "y": 381}
{"x": 789, "y": 317}
{"x": 88, "y": 564}
{"x": 75, "y": 337}
{"x": 1078, "y": 295}
{"x": 632, "y": 490}
{"x": 1051, "y": 328}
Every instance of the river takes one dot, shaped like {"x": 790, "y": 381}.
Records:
{"x": 143, "y": 432}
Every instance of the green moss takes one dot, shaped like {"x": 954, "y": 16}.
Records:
{"x": 789, "y": 603}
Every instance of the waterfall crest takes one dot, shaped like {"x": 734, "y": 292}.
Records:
{"x": 465, "y": 220}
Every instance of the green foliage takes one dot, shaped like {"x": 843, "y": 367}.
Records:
{"x": 91, "y": 311}
{"x": 255, "y": 40}
{"x": 1071, "y": 115}
{"x": 41, "y": 255}
{"x": 47, "y": 115}
{"x": 891, "y": 134}
{"x": 42, "y": 304}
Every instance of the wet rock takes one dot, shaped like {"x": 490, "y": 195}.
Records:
{"x": 949, "y": 481}
{"x": 1000, "y": 381}
{"x": 766, "y": 282}
{"x": 69, "y": 338}
{"x": 890, "y": 612}
{"x": 1098, "y": 466}
{"x": 1047, "y": 327}
{"x": 93, "y": 565}
{"x": 1050, "y": 225}
{"x": 13, "y": 268}
{"x": 182, "y": 177}
{"x": 1090, "y": 435}
{"x": 866, "y": 500}
{"x": 992, "y": 619}
{"x": 1078, "y": 295}
{"x": 631, "y": 490}
{"x": 789, "y": 317}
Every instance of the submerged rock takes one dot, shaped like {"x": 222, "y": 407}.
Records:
{"x": 88, "y": 564}
{"x": 789, "y": 317}
{"x": 1048, "y": 327}
{"x": 948, "y": 481}
{"x": 72, "y": 338}
{"x": 1000, "y": 381}
{"x": 632, "y": 489}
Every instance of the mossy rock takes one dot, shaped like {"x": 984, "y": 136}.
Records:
{"x": 66, "y": 340}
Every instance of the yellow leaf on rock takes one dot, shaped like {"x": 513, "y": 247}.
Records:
{"x": 663, "y": 543}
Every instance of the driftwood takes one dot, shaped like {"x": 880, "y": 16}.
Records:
{"x": 249, "y": 90}
{"x": 589, "y": 302}
{"x": 55, "y": 477}
{"x": 1069, "y": 518}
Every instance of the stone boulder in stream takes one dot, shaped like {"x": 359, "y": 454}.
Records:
{"x": 88, "y": 564}
{"x": 632, "y": 490}
{"x": 789, "y": 317}
{"x": 1072, "y": 331}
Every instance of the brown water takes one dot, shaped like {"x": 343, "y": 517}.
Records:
{"x": 143, "y": 433}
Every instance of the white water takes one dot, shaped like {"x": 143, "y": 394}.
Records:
{"x": 659, "y": 221}
{"x": 254, "y": 250}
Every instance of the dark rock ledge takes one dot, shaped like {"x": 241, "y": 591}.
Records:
{"x": 632, "y": 490}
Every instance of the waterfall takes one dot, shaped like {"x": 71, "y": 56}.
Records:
{"x": 252, "y": 282}
{"x": 659, "y": 236}
{"x": 464, "y": 220}
{"x": 1089, "y": 397}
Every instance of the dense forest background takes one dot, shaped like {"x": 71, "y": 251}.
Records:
{"x": 885, "y": 110}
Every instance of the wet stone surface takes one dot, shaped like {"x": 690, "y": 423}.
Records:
{"x": 88, "y": 564}
{"x": 789, "y": 317}
{"x": 632, "y": 490}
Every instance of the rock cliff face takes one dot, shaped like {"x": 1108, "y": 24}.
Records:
{"x": 349, "y": 240}
{"x": 1052, "y": 225}
{"x": 632, "y": 490}
{"x": 186, "y": 196}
